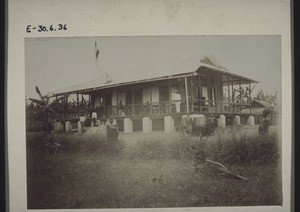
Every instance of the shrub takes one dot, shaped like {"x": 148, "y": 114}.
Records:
{"x": 158, "y": 148}
{"x": 235, "y": 149}
{"x": 74, "y": 143}
{"x": 223, "y": 146}
{"x": 90, "y": 144}
{"x": 34, "y": 126}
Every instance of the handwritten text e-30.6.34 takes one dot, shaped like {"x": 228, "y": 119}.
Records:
{"x": 42, "y": 28}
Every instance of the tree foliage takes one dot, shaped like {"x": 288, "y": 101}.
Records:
{"x": 45, "y": 108}
{"x": 262, "y": 96}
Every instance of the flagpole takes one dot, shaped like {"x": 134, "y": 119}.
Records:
{"x": 108, "y": 78}
{"x": 96, "y": 56}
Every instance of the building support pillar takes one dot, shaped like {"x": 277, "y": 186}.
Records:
{"x": 169, "y": 124}
{"x": 251, "y": 120}
{"x": 200, "y": 119}
{"x": 128, "y": 125}
{"x": 237, "y": 120}
{"x": 132, "y": 93}
{"x": 186, "y": 95}
{"x": 58, "y": 127}
{"x": 79, "y": 125}
{"x": 222, "y": 121}
{"x": 68, "y": 126}
{"x": 147, "y": 125}
{"x": 250, "y": 99}
{"x": 150, "y": 97}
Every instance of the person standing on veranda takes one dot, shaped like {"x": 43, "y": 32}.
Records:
{"x": 120, "y": 108}
{"x": 177, "y": 99}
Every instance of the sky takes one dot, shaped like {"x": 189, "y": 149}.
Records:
{"x": 54, "y": 63}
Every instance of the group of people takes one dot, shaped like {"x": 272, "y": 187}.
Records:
{"x": 111, "y": 125}
{"x": 188, "y": 126}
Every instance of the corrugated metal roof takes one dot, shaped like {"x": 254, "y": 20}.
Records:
{"x": 265, "y": 104}
{"x": 141, "y": 74}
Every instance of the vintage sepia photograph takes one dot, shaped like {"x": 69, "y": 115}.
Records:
{"x": 153, "y": 121}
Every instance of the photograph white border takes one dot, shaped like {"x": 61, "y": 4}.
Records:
{"x": 132, "y": 18}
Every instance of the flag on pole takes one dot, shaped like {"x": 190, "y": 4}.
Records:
{"x": 108, "y": 78}
{"x": 96, "y": 51}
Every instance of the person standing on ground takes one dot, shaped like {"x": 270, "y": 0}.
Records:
{"x": 112, "y": 129}
{"x": 263, "y": 129}
{"x": 94, "y": 118}
{"x": 188, "y": 128}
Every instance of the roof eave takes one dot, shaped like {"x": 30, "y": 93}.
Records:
{"x": 225, "y": 72}
{"x": 122, "y": 84}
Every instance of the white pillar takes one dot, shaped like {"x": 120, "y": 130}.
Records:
{"x": 94, "y": 115}
{"x": 98, "y": 122}
{"x": 250, "y": 120}
{"x": 183, "y": 122}
{"x": 184, "y": 119}
{"x": 222, "y": 121}
{"x": 61, "y": 126}
{"x": 79, "y": 127}
{"x": 169, "y": 124}
{"x": 58, "y": 126}
{"x": 237, "y": 120}
{"x": 200, "y": 119}
{"x": 147, "y": 125}
{"x": 68, "y": 126}
{"x": 82, "y": 118}
{"x": 128, "y": 125}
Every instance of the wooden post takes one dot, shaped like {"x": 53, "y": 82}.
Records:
{"x": 192, "y": 103}
{"x": 232, "y": 96}
{"x": 117, "y": 88}
{"x": 216, "y": 93}
{"x": 77, "y": 98}
{"x": 229, "y": 98}
{"x": 170, "y": 97}
{"x": 150, "y": 93}
{"x": 240, "y": 98}
{"x": 209, "y": 95}
{"x": 222, "y": 93}
{"x": 200, "y": 94}
{"x": 132, "y": 97}
{"x": 186, "y": 95}
{"x": 250, "y": 97}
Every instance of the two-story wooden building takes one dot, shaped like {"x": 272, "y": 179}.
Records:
{"x": 156, "y": 95}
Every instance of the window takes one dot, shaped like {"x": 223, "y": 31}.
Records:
{"x": 138, "y": 96}
{"x": 163, "y": 93}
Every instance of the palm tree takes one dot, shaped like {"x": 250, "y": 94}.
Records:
{"x": 44, "y": 106}
{"x": 261, "y": 96}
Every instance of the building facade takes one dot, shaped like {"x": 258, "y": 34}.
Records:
{"x": 208, "y": 90}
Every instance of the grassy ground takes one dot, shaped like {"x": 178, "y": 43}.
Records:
{"x": 86, "y": 174}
